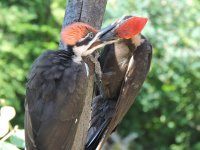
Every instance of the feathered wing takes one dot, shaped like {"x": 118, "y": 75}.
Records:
{"x": 134, "y": 78}
{"x": 102, "y": 112}
{"x": 107, "y": 113}
{"x": 114, "y": 62}
{"x": 54, "y": 100}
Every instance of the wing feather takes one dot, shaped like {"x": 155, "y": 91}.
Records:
{"x": 133, "y": 81}
{"x": 131, "y": 66}
{"x": 54, "y": 101}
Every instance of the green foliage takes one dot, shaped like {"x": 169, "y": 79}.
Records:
{"x": 24, "y": 34}
{"x": 167, "y": 111}
{"x": 18, "y": 139}
{"x": 8, "y": 146}
{"x": 14, "y": 135}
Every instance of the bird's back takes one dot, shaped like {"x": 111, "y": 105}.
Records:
{"x": 114, "y": 61}
{"x": 108, "y": 110}
{"x": 54, "y": 100}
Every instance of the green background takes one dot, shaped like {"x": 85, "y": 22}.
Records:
{"x": 166, "y": 114}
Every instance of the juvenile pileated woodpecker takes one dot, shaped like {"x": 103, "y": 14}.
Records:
{"x": 56, "y": 88}
{"x": 124, "y": 65}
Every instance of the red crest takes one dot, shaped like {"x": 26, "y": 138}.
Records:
{"x": 131, "y": 27}
{"x": 72, "y": 33}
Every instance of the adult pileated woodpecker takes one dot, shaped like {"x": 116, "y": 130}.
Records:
{"x": 124, "y": 65}
{"x": 56, "y": 89}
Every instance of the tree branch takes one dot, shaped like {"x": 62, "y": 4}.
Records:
{"x": 88, "y": 11}
{"x": 91, "y": 12}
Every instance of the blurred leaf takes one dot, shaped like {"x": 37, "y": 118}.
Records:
{"x": 7, "y": 146}
{"x": 4, "y": 126}
{"x": 7, "y": 112}
{"x": 18, "y": 139}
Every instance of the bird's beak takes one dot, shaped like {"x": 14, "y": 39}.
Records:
{"x": 108, "y": 34}
{"x": 102, "y": 38}
{"x": 124, "y": 28}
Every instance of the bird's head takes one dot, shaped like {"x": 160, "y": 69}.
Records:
{"x": 128, "y": 27}
{"x": 84, "y": 39}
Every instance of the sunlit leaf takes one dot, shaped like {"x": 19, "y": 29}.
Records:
{"x": 18, "y": 139}
{"x": 4, "y": 126}
{"x": 8, "y": 146}
{"x": 8, "y": 112}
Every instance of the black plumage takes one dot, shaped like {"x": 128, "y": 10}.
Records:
{"x": 54, "y": 100}
{"x": 120, "y": 77}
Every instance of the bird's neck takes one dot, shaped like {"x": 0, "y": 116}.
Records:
{"x": 66, "y": 53}
{"x": 76, "y": 58}
{"x": 69, "y": 50}
{"x": 137, "y": 40}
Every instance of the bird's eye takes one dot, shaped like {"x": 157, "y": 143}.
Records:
{"x": 91, "y": 35}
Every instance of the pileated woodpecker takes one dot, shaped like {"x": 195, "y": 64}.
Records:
{"x": 124, "y": 66}
{"x": 56, "y": 88}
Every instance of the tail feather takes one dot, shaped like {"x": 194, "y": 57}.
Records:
{"x": 103, "y": 110}
{"x": 94, "y": 140}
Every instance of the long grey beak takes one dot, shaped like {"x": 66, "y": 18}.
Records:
{"x": 108, "y": 33}
{"x": 104, "y": 36}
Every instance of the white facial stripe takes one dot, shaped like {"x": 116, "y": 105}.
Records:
{"x": 120, "y": 19}
{"x": 137, "y": 40}
{"x": 82, "y": 49}
{"x": 90, "y": 51}
{"x": 118, "y": 22}
{"x": 94, "y": 39}
{"x": 77, "y": 59}
{"x": 82, "y": 39}
{"x": 79, "y": 50}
